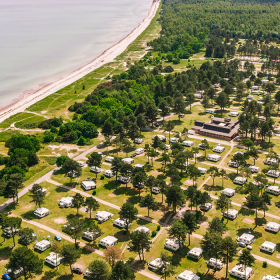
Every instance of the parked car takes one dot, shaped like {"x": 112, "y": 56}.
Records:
{"x": 58, "y": 238}
{"x": 77, "y": 270}
{"x": 156, "y": 124}
{"x": 6, "y": 276}
{"x": 133, "y": 155}
{"x": 241, "y": 244}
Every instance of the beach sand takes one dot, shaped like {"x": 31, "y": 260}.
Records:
{"x": 107, "y": 56}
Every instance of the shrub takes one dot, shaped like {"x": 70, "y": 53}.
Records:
{"x": 154, "y": 233}
{"x": 94, "y": 192}
{"x": 102, "y": 177}
{"x": 264, "y": 265}
{"x": 158, "y": 228}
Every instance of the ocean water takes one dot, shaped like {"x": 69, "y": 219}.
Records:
{"x": 42, "y": 40}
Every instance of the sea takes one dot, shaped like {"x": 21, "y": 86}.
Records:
{"x": 43, "y": 40}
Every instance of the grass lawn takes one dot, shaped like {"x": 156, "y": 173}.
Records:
{"x": 15, "y": 118}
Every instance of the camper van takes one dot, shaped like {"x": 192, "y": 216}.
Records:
{"x": 128, "y": 160}
{"x": 215, "y": 263}
{"x": 228, "y": 192}
{"x": 41, "y": 212}
{"x": 103, "y": 216}
{"x": 273, "y": 190}
{"x": 109, "y": 173}
{"x": 254, "y": 169}
{"x": 213, "y": 157}
{"x": 273, "y": 173}
{"x": 138, "y": 165}
{"x": 272, "y": 226}
{"x": 239, "y": 272}
{"x": 142, "y": 228}
{"x": 109, "y": 158}
{"x": 161, "y": 137}
{"x": 195, "y": 253}
{"x": 95, "y": 169}
{"x": 108, "y": 241}
{"x": 268, "y": 247}
{"x": 218, "y": 149}
{"x": 42, "y": 245}
{"x": 202, "y": 170}
{"x": 174, "y": 140}
{"x": 233, "y": 114}
{"x": 231, "y": 214}
{"x": 210, "y": 111}
{"x": 138, "y": 140}
{"x": 90, "y": 235}
{"x": 121, "y": 223}
{"x": 54, "y": 259}
{"x": 187, "y": 143}
{"x": 172, "y": 244}
{"x": 246, "y": 238}
{"x": 65, "y": 202}
{"x": 88, "y": 185}
{"x": 206, "y": 206}
{"x": 188, "y": 275}
{"x": 240, "y": 180}
{"x": 139, "y": 151}
{"x": 124, "y": 179}
{"x": 156, "y": 190}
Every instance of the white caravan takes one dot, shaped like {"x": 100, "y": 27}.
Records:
{"x": 238, "y": 152}
{"x": 138, "y": 141}
{"x": 128, "y": 160}
{"x": 240, "y": 180}
{"x": 239, "y": 272}
{"x": 210, "y": 111}
{"x": 90, "y": 235}
{"x": 142, "y": 228}
{"x": 270, "y": 161}
{"x": 160, "y": 137}
{"x": 187, "y": 143}
{"x": 124, "y": 179}
{"x": 231, "y": 214}
{"x": 228, "y": 192}
{"x": 202, "y": 170}
{"x": 233, "y": 163}
{"x": 66, "y": 202}
{"x": 195, "y": 253}
{"x": 156, "y": 190}
{"x": 41, "y": 212}
{"x": 109, "y": 173}
{"x": 188, "y": 275}
{"x": 273, "y": 190}
{"x": 121, "y": 223}
{"x": 269, "y": 277}
{"x": 213, "y": 157}
{"x": 42, "y": 245}
{"x": 54, "y": 259}
{"x": 233, "y": 114}
{"x": 109, "y": 158}
{"x": 95, "y": 169}
{"x": 139, "y": 151}
{"x": 215, "y": 263}
{"x": 268, "y": 247}
{"x": 156, "y": 264}
{"x": 206, "y": 206}
{"x": 218, "y": 149}
{"x": 273, "y": 173}
{"x": 174, "y": 140}
{"x": 172, "y": 244}
{"x": 108, "y": 241}
{"x": 138, "y": 165}
{"x": 254, "y": 169}
{"x": 81, "y": 163}
{"x": 272, "y": 226}
{"x": 103, "y": 216}
{"x": 88, "y": 185}
{"x": 246, "y": 238}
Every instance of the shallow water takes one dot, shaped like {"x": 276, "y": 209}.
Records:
{"x": 43, "y": 40}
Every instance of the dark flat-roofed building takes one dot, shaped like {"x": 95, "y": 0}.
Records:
{"x": 218, "y": 127}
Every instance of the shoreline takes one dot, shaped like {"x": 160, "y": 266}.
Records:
{"x": 107, "y": 56}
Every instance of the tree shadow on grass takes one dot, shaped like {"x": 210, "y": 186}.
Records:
{"x": 256, "y": 234}
{"x": 246, "y": 212}
{"x": 61, "y": 190}
{"x": 213, "y": 188}
{"x": 126, "y": 191}
{"x": 65, "y": 277}
{"x": 5, "y": 252}
{"x": 30, "y": 216}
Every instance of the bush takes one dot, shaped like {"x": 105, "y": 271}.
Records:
{"x": 264, "y": 265}
{"x": 102, "y": 177}
{"x": 158, "y": 228}
{"x": 94, "y": 192}
{"x": 154, "y": 233}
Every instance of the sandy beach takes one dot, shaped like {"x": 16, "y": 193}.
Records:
{"x": 107, "y": 56}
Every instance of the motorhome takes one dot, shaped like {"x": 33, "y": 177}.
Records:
{"x": 202, "y": 170}
{"x": 210, "y": 111}
{"x": 139, "y": 151}
{"x": 81, "y": 163}
{"x": 54, "y": 259}
{"x": 91, "y": 235}
{"x": 254, "y": 169}
{"x": 273, "y": 173}
{"x": 268, "y": 247}
{"x": 233, "y": 163}
{"x": 109, "y": 173}
{"x": 138, "y": 140}
{"x": 272, "y": 226}
{"x": 218, "y": 149}
{"x": 231, "y": 214}
{"x": 246, "y": 238}
{"x": 174, "y": 140}
{"x": 108, "y": 241}
{"x": 273, "y": 190}
{"x": 109, "y": 158}
{"x": 215, "y": 263}
{"x": 42, "y": 245}
{"x": 65, "y": 202}
{"x": 138, "y": 165}
{"x": 124, "y": 179}
{"x": 161, "y": 137}
{"x": 270, "y": 161}
{"x": 195, "y": 253}
{"x": 95, "y": 169}
{"x": 156, "y": 190}
{"x": 121, "y": 223}
{"x": 240, "y": 180}
{"x": 188, "y": 275}
{"x": 88, "y": 185}
{"x": 41, "y": 212}
{"x": 172, "y": 244}
{"x": 213, "y": 157}
{"x": 142, "y": 228}
{"x": 156, "y": 264}
{"x": 128, "y": 160}
{"x": 233, "y": 114}
{"x": 187, "y": 143}
{"x": 206, "y": 206}
{"x": 240, "y": 272}
{"x": 228, "y": 192}
{"x": 103, "y": 216}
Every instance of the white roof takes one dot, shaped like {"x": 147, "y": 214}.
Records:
{"x": 273, "y": 225}
{"x": 54, "y": 258}
{"x": 128, "y": 160}
{"x": 239, "y": 268}
{"x": 246, "y": 236}
{"x": 269, "y": 245}
{"x": 138, "y": 165}
{"x": 239, "y": 152}
{"x": 41, "y": 210}
{"x": 215, "y": 261}
{"x": 273, "y": 188}
{"x": 188, "y": 275}
{"x": 161, "y": 137}
{"x": 241, "y": 179}
{"x": 109, "y": 158}
{"x": 171, "y": 241}
{"x": 231, "y": 212}
{"x": 195, "y": 251}
{"x": 228, "y": 191}
{"x": 103, "y": 214}
{"x": 269, "y": 277}
{"x": 157, "y": 262}
{"x": 214, "y": 156}
{"x": 187, "y": 142}
{"x": 201, "y": 169}
{"x": 139, "y": 150}
{"x": 67, "y": 199}
{"x": 43, "y": 243}
{"x": 109, "y": 240}
{"x": 89, "y": 183}
{"x": 142, "y": 228}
